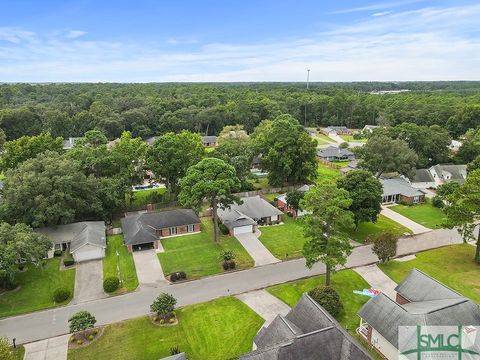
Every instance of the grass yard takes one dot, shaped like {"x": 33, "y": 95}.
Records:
{"x": 36, "y": 289}
{"x": 198, "y": 255}
{"x": 324, "y": 138}
{"x": 369, "y": 229}
{"x": 220, "y": 329}
{"x": 349, "y": 138}
{"x": 125, "y": 260}
{"x": 272, "y": 196}
{"x": 425, "y": 214}
{"x": 19, "y": 352}
{"x": 452, "y": 265}
{"x": 327, "y": 173}
{"x": 284, "y": 241}
{"x": 143, "y": 197}
{"x": 344, "y": 282}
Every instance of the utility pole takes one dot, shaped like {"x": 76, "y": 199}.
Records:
{"x": 308, "y": 83}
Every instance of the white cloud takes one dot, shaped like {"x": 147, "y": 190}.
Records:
{"x": 377, "y": 6}
{"x": 73, "y": 34}
{"x": 424, "y": 44}
{"x": 382, "y": 13}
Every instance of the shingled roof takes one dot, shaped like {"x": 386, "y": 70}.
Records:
{"x": 432, "y": 304}
{"x": 253, "y": 208}
{"x": 306, "y": 332}
{"x": 333, "y": 151}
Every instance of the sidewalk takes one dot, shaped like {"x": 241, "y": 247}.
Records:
{"x": 377, "y": 279}
{"x": 264, "y": 304}
{"x": 49, "y": 349}
{"x": 402, "y": 220}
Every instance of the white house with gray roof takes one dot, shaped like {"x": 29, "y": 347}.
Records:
{"x": 438, "y": 175}
{"x": 333, "y": 153}
{"x": 244, "y": 218}
{"x": 307, "y": 332}
{"x": 398, "y": 190}
{"x": 84, "y": 240}
{"x": 420, "y": 300}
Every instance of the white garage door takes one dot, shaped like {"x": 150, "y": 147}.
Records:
{"x": 242, "y": 229}
{"x": 88, "y": 253}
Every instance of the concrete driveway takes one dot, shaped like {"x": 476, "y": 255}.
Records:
{"x": 402, "y": 220}
{"x": 256, "y": 249}
{"x": 149, "y": 270}
{"x": 377, "y": 279}
{"x": 264, "y": 304}
{"x": 49, "y": 349}
{"x": 88, "y": 281}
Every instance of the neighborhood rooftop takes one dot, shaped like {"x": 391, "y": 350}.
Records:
{"x": 77, "y": 234}
{"x": 399, "y": 186}
{"x": 306, "y": 332}
{"x": 334, "y": 152}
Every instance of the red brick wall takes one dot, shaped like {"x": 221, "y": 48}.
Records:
{"x": 130, "y": 248}
{"x": 409, "y": 200}
{"x": 180, "y": 230}
{"x": 401, "y": 300}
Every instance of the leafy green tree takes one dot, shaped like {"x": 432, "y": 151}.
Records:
{"x": 27, "y": 147}
{"x": 366, "y": 193}
{"x": 17, "y": 122}
{"x": 385, "y": 246}
{"x": 470, "y": 148}
{"x": 288, "y": 151}
{"x": 211, "y": 179}
{"x": 3, "y": 138}
{"x": 236, "y": 151}
{"x": 81, "y": 321}
{"x": 468, "y": 117}
{"x": 57, "y": 123}
{"x": 293, "y": 199}
{"x": 172, "y": 154}
{"x": 6, "y": 352}
{"x": 19, "y": 243}
{"x": 163, "y": 305}
{"x": 325, "y": 226}
{"x": 381, "y": 154}
{"x": 48, "y": 190}
{"x": 473, "y": 165}
{"x": 463, "y": 209}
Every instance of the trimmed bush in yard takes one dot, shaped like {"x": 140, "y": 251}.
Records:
{"x": 61, "y": 295}
{"x": 110, "y": 284}
{"x": 328, "y": 298}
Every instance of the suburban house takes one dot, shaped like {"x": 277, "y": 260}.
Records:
{"x": 70, "y": 142}
{"x": 398, "y": 190}
{"x": 420, "y": 300}
{"x": 151, "y": 140}
{"x": 144, "y": 231}
{"x": 337, "y": 130}
{"x": 307, "y": 332}
{"x": 369, "y": 128}
{"x": 209, "y": 141}
{"x": 333, "y": 153}
{"x": 438, "y": 175}
{"x": 282, "y": 202}
{"x": 244, "y": 218}
{"x": 455, "y": 145}
{"x": 84, "y": 240}
{"x": 352, "y": 165}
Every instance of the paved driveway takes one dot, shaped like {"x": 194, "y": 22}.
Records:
{"x": 412, "y": 225}
{"x": 49, "y": 349}
{"x": 377, "y": 279}
{"x": 264, "y": 304}
{"x": 88, "y": 282}
{"x": 149, "y": 270}
{"x": 256, "y": 249}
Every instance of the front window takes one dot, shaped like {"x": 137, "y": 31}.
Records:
{"x": 190, "y": 228}
{"x": 173, "y": 231}
{"x": 416, "y": 199}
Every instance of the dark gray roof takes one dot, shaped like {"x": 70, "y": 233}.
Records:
{"x": 306, "y": 332}
{"x": 337, "y": 128}
{"x": 450, "y": 172}
{"x": 209, "y": 139}
{"x": 399, "y": 186}
{"x": 437, "y": 306}
{"x": 140, "y": 228}
{"x": 77, "y": 234}
{"x": 251, "y": 208}
{"x": 334, "y": 151}
{"x": 423, "y": 175}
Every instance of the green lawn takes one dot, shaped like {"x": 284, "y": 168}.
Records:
{"x": 344, "y": 282}
{"x": 125, "y": 262}
{"x": 452, "y": 265}
{"x": 327, "y": 173}
{"x": 324, "y": 138}
{"x": 368, "y": 229}
{"x": 19, "y": 352}
{"x": 271, "y": 197}
{"x": 425, "y": 214}
{"x": 144, "y": 196}
{"x": 284, "y": 241}
{"x": 220, "y": 329}
{"x": 349, "y": 138}
{"x": 37, "y": 285}
{"x": 259, "y": 182}
{"x": 198, "y": 255}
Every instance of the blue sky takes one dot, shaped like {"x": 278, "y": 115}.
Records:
{"x": 243, "y": 40}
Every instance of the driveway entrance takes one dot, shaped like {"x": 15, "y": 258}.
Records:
{"x": 88, "y": 281}
{"x": 149, "y": 270}
{"x": 256, "y": 249}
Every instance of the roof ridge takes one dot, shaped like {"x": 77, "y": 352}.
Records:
{"x": 286, "y": 322}
{"x": 317, "y": 305}
{"x": 438, "y": 282}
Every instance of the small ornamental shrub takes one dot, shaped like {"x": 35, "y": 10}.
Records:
{"x": 60, "y": 295}
{"x": 79, "y": 341}
{"x": 72, "y": 339}
{"x": 229, "y": 265}
{"x": 57, "y": 253}
{"x": 171, "y": 321}
{"x": 110, "y": 284}
{"x": 81, "y": 320}
{"x": 163, "y": 305}
{"x": 155, "y": 318}
{"x": 91, "y": 337}
{"x": 343, "y": 145}
{"x": 328, "y": 298}
{"x": 174, "y": 350}
{"x": 95, "y": 332}
{"x": 162, "y": 321}
{"x": 385, "y": 246}
{"x": 223, "y": 229}
{"x": 437, "y": 202}
{"x": 68, "y": 259}
{"x": 179, "y": 275}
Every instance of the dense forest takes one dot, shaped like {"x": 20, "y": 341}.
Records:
{"x": 152, "y": 109}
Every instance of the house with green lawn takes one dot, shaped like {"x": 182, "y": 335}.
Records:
{"x": 398, "y": 190}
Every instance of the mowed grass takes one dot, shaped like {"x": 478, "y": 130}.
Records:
{"x": 37, "y": 285}
{"x": 143, "y": 197}
{"x": 325, "y": 138}
{"x": 452, "y": 265}
{"x": 260, "y": 183}
{"x": 128, "y": 273}
{"x": 220, "y": 329}
{"x": 349, "y": 138}
{"x": 284, "y": 241}
{"x": 327, "y": 173}
{"x": 368, "y": 230}
{"x": 19, "y": 352}
{"x": 344, "y": 282}
{"x": 198, "y": 255}
{"x": 425, "y": 214}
